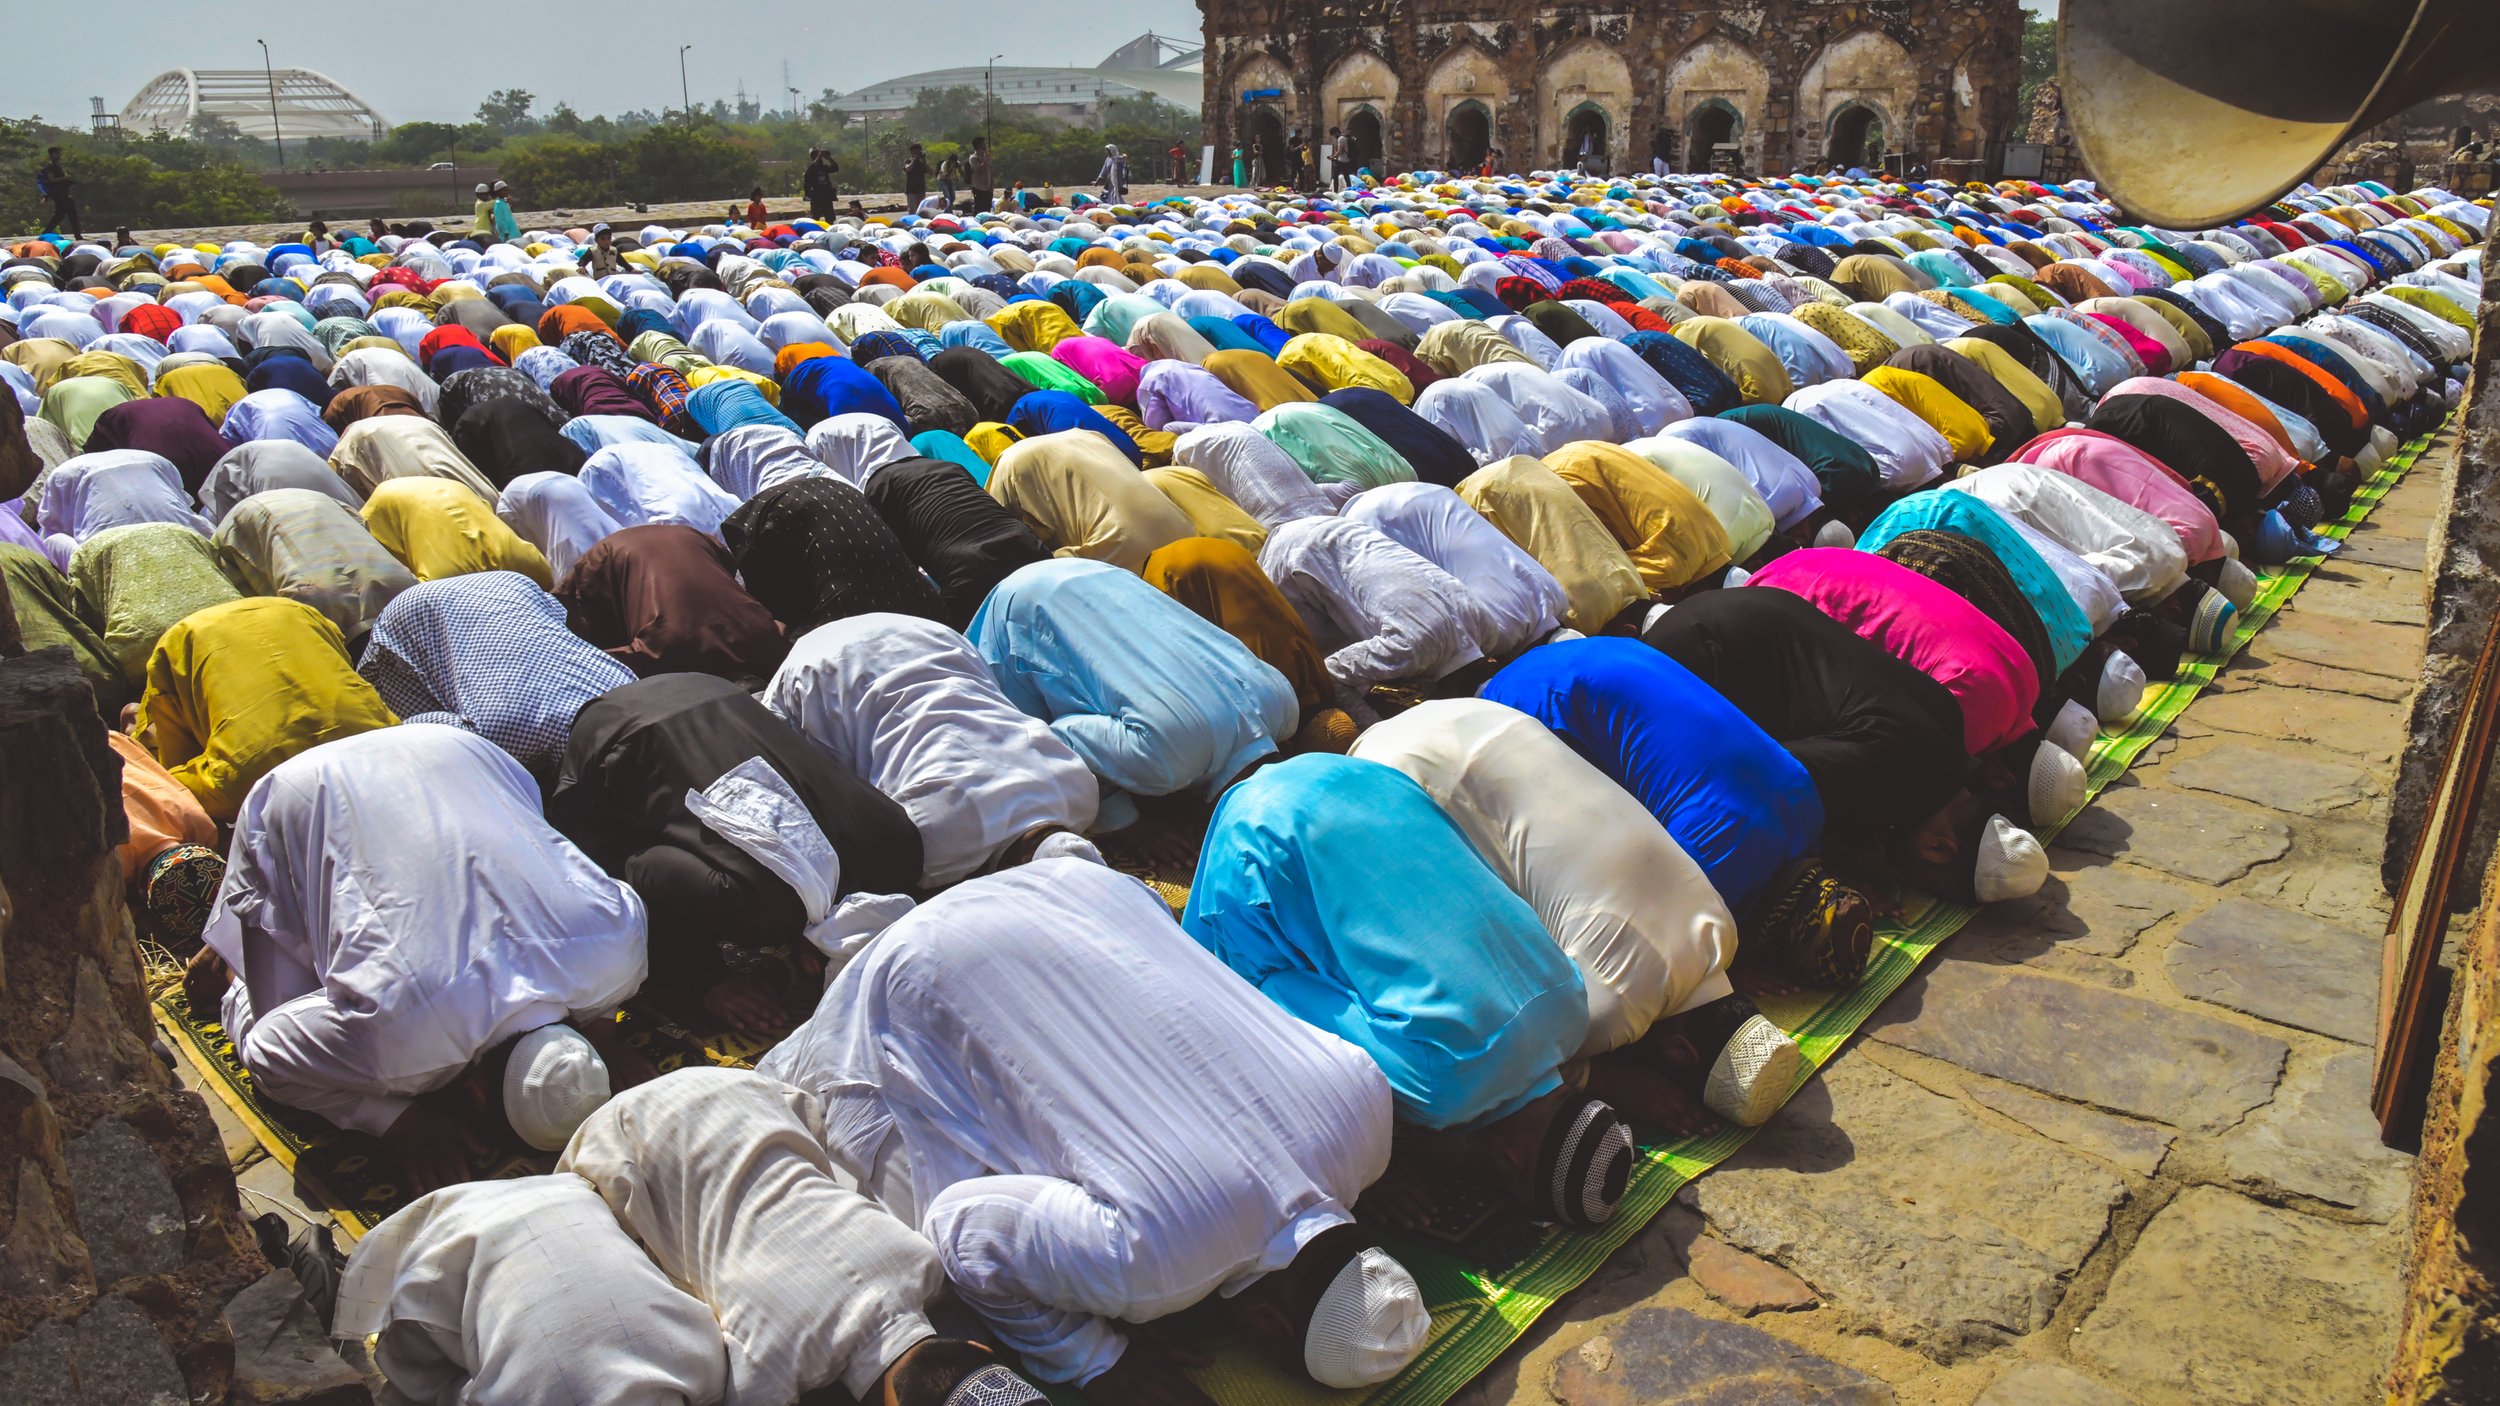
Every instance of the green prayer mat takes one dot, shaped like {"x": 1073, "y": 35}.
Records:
{"x": 1483, "y": 1290}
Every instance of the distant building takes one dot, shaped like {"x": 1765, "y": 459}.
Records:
{"x": 307, "y": 104}
{"x": 1148, "y": 66}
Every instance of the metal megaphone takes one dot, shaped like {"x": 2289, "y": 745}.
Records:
{"x": 2194, "y": 112}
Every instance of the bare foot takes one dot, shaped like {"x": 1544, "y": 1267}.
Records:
{"x": 1649, "y": 1097}
{"x": 204, "y": 981}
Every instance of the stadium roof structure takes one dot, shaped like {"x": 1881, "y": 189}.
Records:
{"x": 308, "y": 104}
{"x": 1149, "y": 65}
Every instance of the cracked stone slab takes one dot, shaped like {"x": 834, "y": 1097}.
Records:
{"x": 2312, "y": 679}
{"x": 2137, "y": 1146}
{"x": 1672, "y": 1357}
{"x": 1843, "y": 1188}
{"x": 282, "y": 1356}
{"x": 2099, "y": 911}
{"x": 2318, "y": 1139}
{"x": 2178, "y": 833}
{"x": 2371, "y": 728}
{"x": 2382, "y": 548}
{"x": 2278, "y": 778}
{"x": 2084, "y": 1043}
{"x": 2332, "y": 872}
{"x": 2394, "y": 651}
{"x": 2228, "y": 1301}
{"x": 2048, "y": 1384}
{"x": 2373, "y": 601}
{"x": 2291, "y": 968}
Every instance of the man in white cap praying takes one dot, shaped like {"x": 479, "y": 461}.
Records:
{"x": 722, "y": 1175}
{"x": 1082, "y": 1169}
{"x": 414, "y": 952}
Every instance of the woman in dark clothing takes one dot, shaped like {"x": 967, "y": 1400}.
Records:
{"x": 662, "y": 599}
{"x": 992, "y": 388}
{"x": 812, "y": 550}
{"x": 927, "y": 400}
{"x": 959, "y": 535}
{"x": 168, "y": 426}
{"x": 718, "y": 913}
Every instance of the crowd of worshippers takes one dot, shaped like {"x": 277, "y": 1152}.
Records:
{"x": 760, "y": 632}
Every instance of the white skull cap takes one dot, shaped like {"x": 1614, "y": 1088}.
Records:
{"x": 2011, "y": 863}
{"x": 1368, "y": 1325}
{"x": 553, "y": 1082}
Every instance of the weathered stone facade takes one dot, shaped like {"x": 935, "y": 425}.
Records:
{"x": 1791, "y": 84}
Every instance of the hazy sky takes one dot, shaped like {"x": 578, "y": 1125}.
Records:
{"x": 418, "y": 64}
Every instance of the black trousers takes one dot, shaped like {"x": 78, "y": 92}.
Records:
{"x": 65, "y": 216}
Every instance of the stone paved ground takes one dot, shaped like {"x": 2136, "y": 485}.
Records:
{"x": 2113, "y": 1146}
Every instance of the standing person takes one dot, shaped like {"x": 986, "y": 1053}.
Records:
{"x": 1241, "y": 174}
{"x": 977, "y": 171}
{"x": 507, "y": 229}
{"x": 1180, "y": 162}
{"x": 482, "y": 221}
{"x": 915, "y": 178}
{"x": 602, "y": 258}
{"x": 817, "y": 186}
{"x": 757, "y": 215}
{"x": 950, "y": 174}
{"x": 54, "y": 183}
{"x": 1114, "y": 174}
{"x": 1340, "y": 159}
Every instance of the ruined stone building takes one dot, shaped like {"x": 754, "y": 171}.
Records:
{"x": 1773, "y": 85}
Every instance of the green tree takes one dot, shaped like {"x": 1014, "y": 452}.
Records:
{"x": 2039, "y": 60}
{"x": 938, "y": 111}
{"x": 506, "y": 111}
{"x": 419, "y": 144}
{"x": 558, "y": 172}
{"x": 684, "y": 163}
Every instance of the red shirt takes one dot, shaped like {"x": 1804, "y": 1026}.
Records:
{"x": 756, "y": 214}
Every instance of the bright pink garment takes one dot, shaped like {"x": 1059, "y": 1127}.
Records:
{"x": 1923, "y": 624}
{"x": 2272, "y": 461}
{"x": 1105, "y": 363}
{"x": 2130, "y": 475}
{"x": 2154, "y": 355}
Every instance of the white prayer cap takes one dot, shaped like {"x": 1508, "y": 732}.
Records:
{"x": 2121, "y": 689}
{"x": 2213, "y": 625}
{"x": 2237, "y": 583}
{"x": 2011, "y": 863}
{"x": 1835, "y": 534}
{"x": 2057, "y": 786}
{"x": 2073, "y": 729}
{"x": 553, "y": 1082}
{"x": 1368, "y": 1325}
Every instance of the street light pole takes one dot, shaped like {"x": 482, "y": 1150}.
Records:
{"x": 272, "y": 75}
{"x": 989, "y": 98}
{"x": 684, "y": 96}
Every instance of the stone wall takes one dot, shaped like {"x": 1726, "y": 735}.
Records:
{"x": 124, "y": 1255}
{"x": 2448, "y": 1352}
{"x": 1940, "y": 76}
{"x": 2465, "y": 591}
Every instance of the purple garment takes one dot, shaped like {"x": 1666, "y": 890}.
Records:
{"x": 169, "y": 427}
{"x": 15, "y": 532}
{"x": 1170, "y": 392}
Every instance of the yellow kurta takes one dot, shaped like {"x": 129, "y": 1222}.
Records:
{"x": 1671, "y": 535}
{"x": 1213, "y": 514}
{"x": 1033, "y": 326}
{"x": 1948, "y": 414}
{"x": 1754, "y": 367}
{"x": 989, "y": 439}
{"x": 1454, "y": 347}
{"x": 1721, "y": 487}
{"x": 236, "y": 689}
{"x": 2047, "y": 411}
{"x": 1535, "y": 509}
{"x": 1256, "y": 379}
{"x": 214, "y": 389}
{"x": 1083, "y": 498}
{"x": 1337, "y": 363}
{"x": 438, "y": 528}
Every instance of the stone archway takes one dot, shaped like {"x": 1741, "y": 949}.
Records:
{"x": 1587, "y": 139}
{"x": 1587, "y": 84}
{"x": 1468, "y": 135}
{"x": 1722, "y": 91}
{"x": 1266, "y": 152}
{"x": 1365, "y": 134}
{"x": 1866, "y": 68}
{"x": 1465, "y": 77}
{"x": 1360, "y": 83}
{"x": 1855, "y": 137}
{"x": 1714, "y": 124}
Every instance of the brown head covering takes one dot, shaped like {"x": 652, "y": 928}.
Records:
{"x": 661, "y": 599}
{"x": 1223, "y": 584}
{"x": 364, "y": 402}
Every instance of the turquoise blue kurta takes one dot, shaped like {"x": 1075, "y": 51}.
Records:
{"x": 1151, "y": 695}
{"x": 1339, "y": 889}
{"x": 2068, "y": 628}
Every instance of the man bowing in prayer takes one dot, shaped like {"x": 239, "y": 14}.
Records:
{"x": 1079, "y": 1174}
{"x": 1344, "y": 894}
{"x": 399, "y": 994}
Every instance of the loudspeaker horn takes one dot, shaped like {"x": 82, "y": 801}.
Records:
{"x": 2194, "y": 112}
